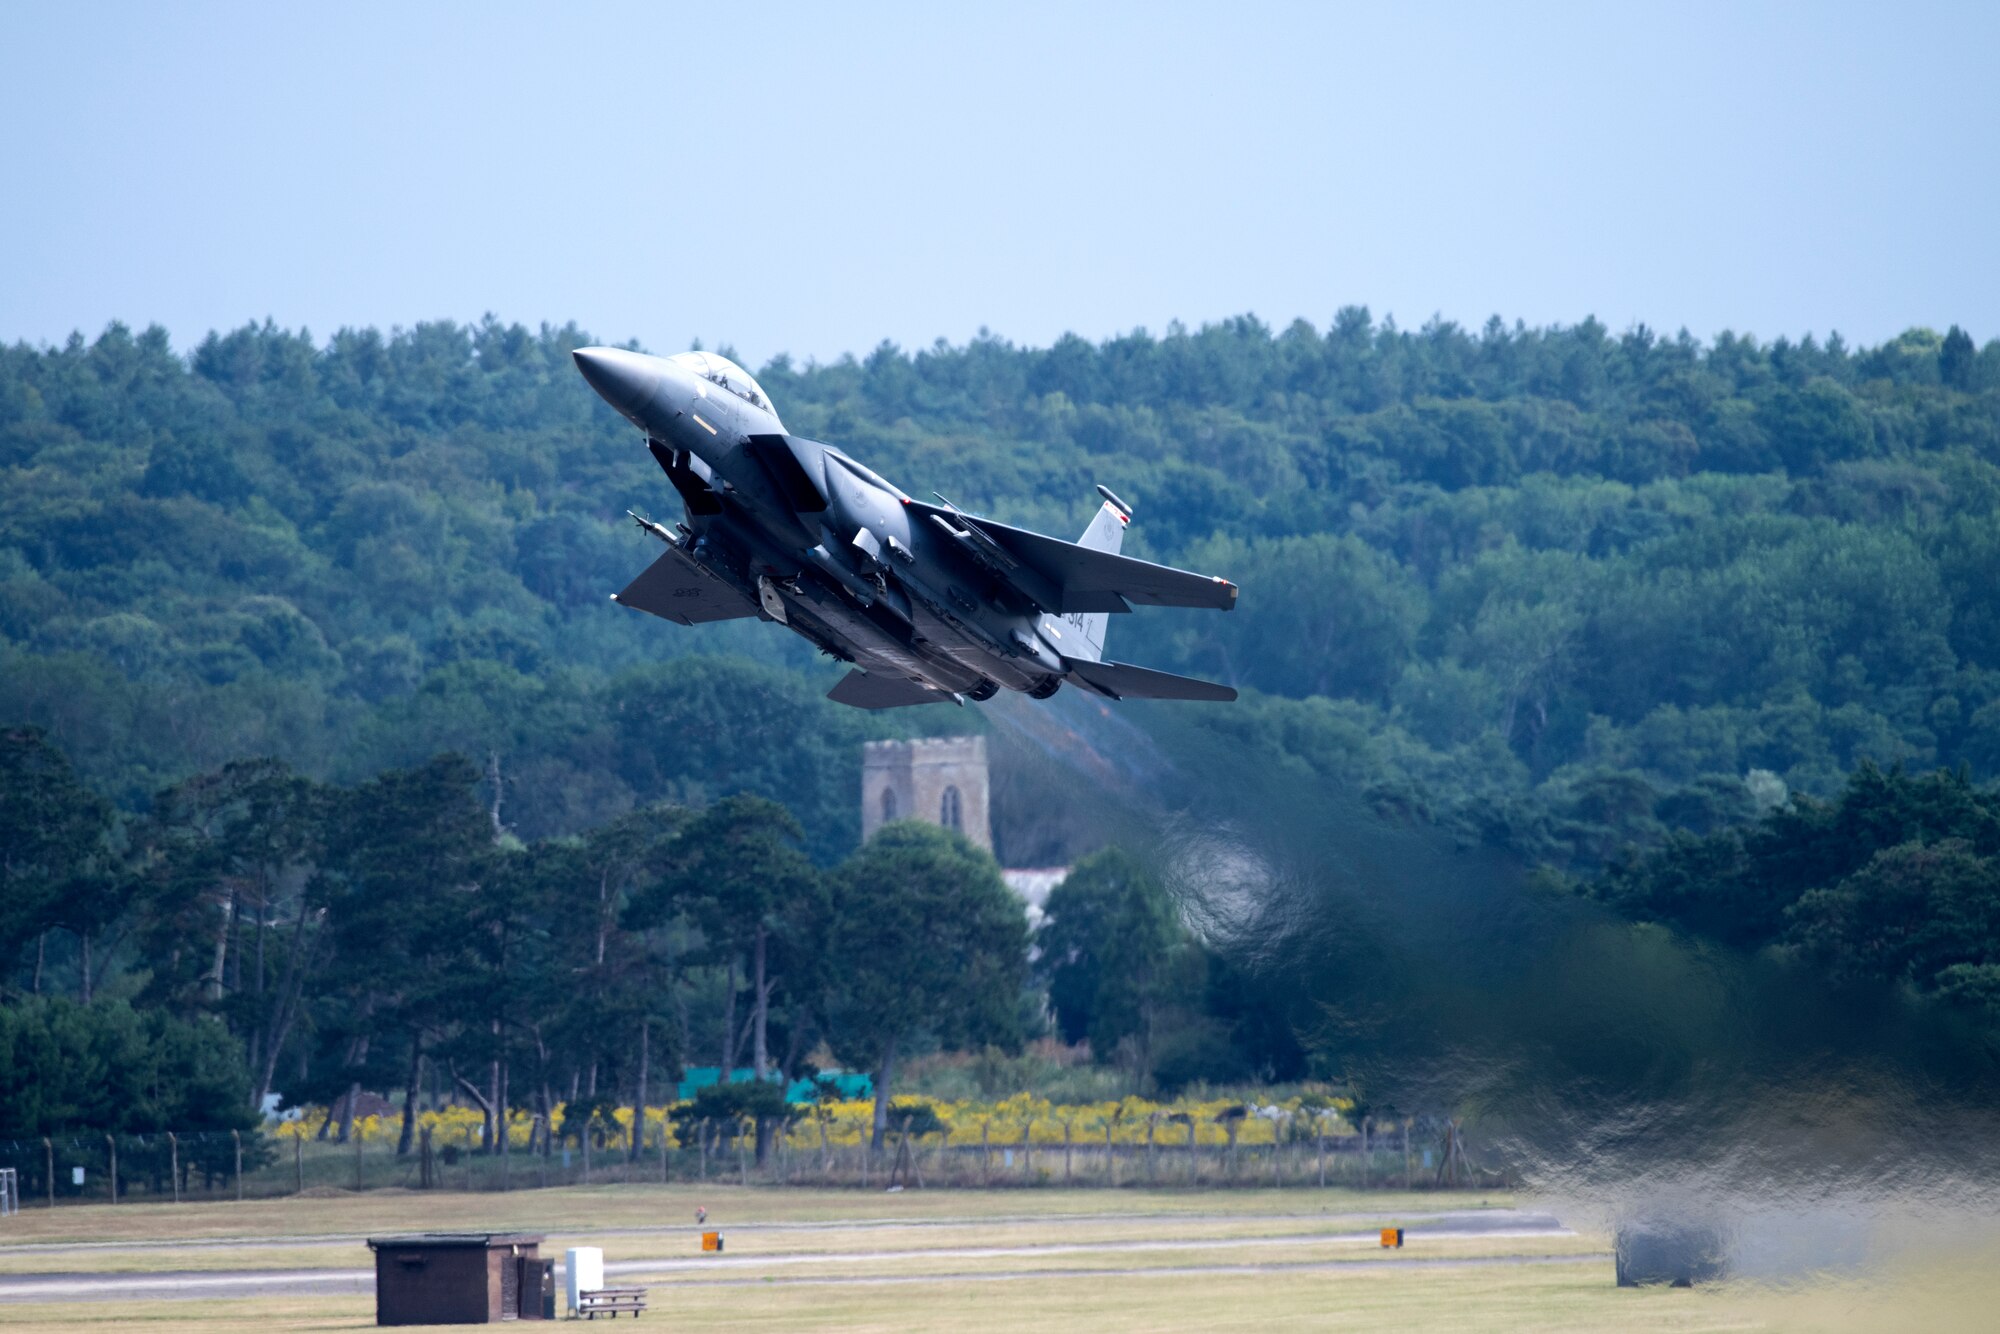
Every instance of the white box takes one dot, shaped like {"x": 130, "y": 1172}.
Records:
{"x": 583, "y": 1271}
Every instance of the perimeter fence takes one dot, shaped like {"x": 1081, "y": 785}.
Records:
{"x": 810, "y": 1148}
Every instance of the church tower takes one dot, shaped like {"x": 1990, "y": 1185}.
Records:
{"x": 939, "y": 780}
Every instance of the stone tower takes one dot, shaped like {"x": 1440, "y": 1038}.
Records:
{"x": 940, "y": 780}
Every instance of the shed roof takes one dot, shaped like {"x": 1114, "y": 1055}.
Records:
{"x": 488, "y": 1239}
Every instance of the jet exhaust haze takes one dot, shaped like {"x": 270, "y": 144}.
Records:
{"x": 1621, "y": 1073}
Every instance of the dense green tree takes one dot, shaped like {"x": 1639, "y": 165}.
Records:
{"x": 1956, "y": 357}
{"x": 1110, "y": 944}
{"x": 739, "y": 865}
{"x": 226, "y": 864}
{"x": 56, "y": 867}
{"x": 623, "y": 941}
{"x": 1893, "y": 881}
{"x": 412, "y": 850}
{"x": 724, "y": 1111}
{"x": 107, "y": 1067}
{"x": 925, "y": 938}
{"x": 1913, "y": 913}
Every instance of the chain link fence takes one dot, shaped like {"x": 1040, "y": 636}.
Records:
{"x": 206, "y": 1165}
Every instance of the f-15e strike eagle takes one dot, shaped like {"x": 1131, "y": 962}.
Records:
{"x": 928, "y": 602}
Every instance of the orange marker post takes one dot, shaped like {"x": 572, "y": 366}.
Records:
{"x": 1392, "y": 1236}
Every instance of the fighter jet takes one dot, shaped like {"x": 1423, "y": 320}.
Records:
{"x": 928, "y": 603}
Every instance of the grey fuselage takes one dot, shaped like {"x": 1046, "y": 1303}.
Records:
{"x": 863, "y": 578}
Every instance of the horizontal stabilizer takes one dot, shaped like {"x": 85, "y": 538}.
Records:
{"x": 676, "y": 588}
{"x": 863, "y": 691}
{"x": 1120, "y": 680}
{"x": 1079, "y": 579}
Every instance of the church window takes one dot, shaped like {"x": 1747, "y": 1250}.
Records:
{"x": 951, "y": 813}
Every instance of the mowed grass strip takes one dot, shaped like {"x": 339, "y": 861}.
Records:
{"x": 610, "y": 1208}
{"x": 1088, "y": 1257}
{"x": 1547, "y": 1297}
{"x": 1009, "y": 1234}
{"x": 168, "y": 1258}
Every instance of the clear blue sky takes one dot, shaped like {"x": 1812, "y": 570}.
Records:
{"x": 816, "y": 179}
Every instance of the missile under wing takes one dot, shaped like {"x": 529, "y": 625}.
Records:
{"x": 927, "y": 602}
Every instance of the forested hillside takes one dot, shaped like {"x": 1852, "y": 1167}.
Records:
{"x": 1563, "y": 588}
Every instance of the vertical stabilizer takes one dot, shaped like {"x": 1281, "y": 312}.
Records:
{"x": 1106, "y": 533}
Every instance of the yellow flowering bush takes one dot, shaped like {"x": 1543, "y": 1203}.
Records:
{"x": 967, "y": 1122}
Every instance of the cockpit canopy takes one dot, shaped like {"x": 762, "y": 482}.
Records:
{"x": 722, "y": 371}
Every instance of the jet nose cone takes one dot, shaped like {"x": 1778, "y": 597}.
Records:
{"x": 625, "y": 380}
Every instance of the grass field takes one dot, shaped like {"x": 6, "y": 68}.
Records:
{"x": 1574, "y": 1298}
{"x": 954, "y": 1260}
{"x": 614, "y": 1207}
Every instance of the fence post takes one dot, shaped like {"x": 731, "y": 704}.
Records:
{"x": 586, "y": 1154}
{"x": 358, "y": 1135}
{"x": 236, "y": 1137}
{"x": 1366, "y": 1153}
{"x": 1406, "y": 1151}
{"x": 49, "y": 1152}
{"x": 742, "y": 1158}
{"x": 299, "y": 1164}
{"x": 701, "y": 1134}
{"x": 1110, "y": 1155}
{"x": 174, "y": 1163}
{"x": 1152, "y": 1129}
{"x": 113, "y": 1142}
{"x": 1319, "y": 1122}
{"x": 665, "y": 1135}
{"x": 1194, "y": 1157}
{"x": 424, "y": 1158}
{"x": 1066, "y": 1152}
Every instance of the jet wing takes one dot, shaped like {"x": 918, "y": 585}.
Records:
{"x": 681, "y": 591}
{"x": 1123, "y": 681}
{"x": 863, "y": 691}
{"x": 1080, "y": 578}
{"x": 797, "y": 466}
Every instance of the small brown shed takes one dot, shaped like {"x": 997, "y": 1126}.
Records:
{"x": 457, "y": 1278}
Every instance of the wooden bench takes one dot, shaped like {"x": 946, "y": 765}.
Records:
{"x": 611, "y": 1302}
